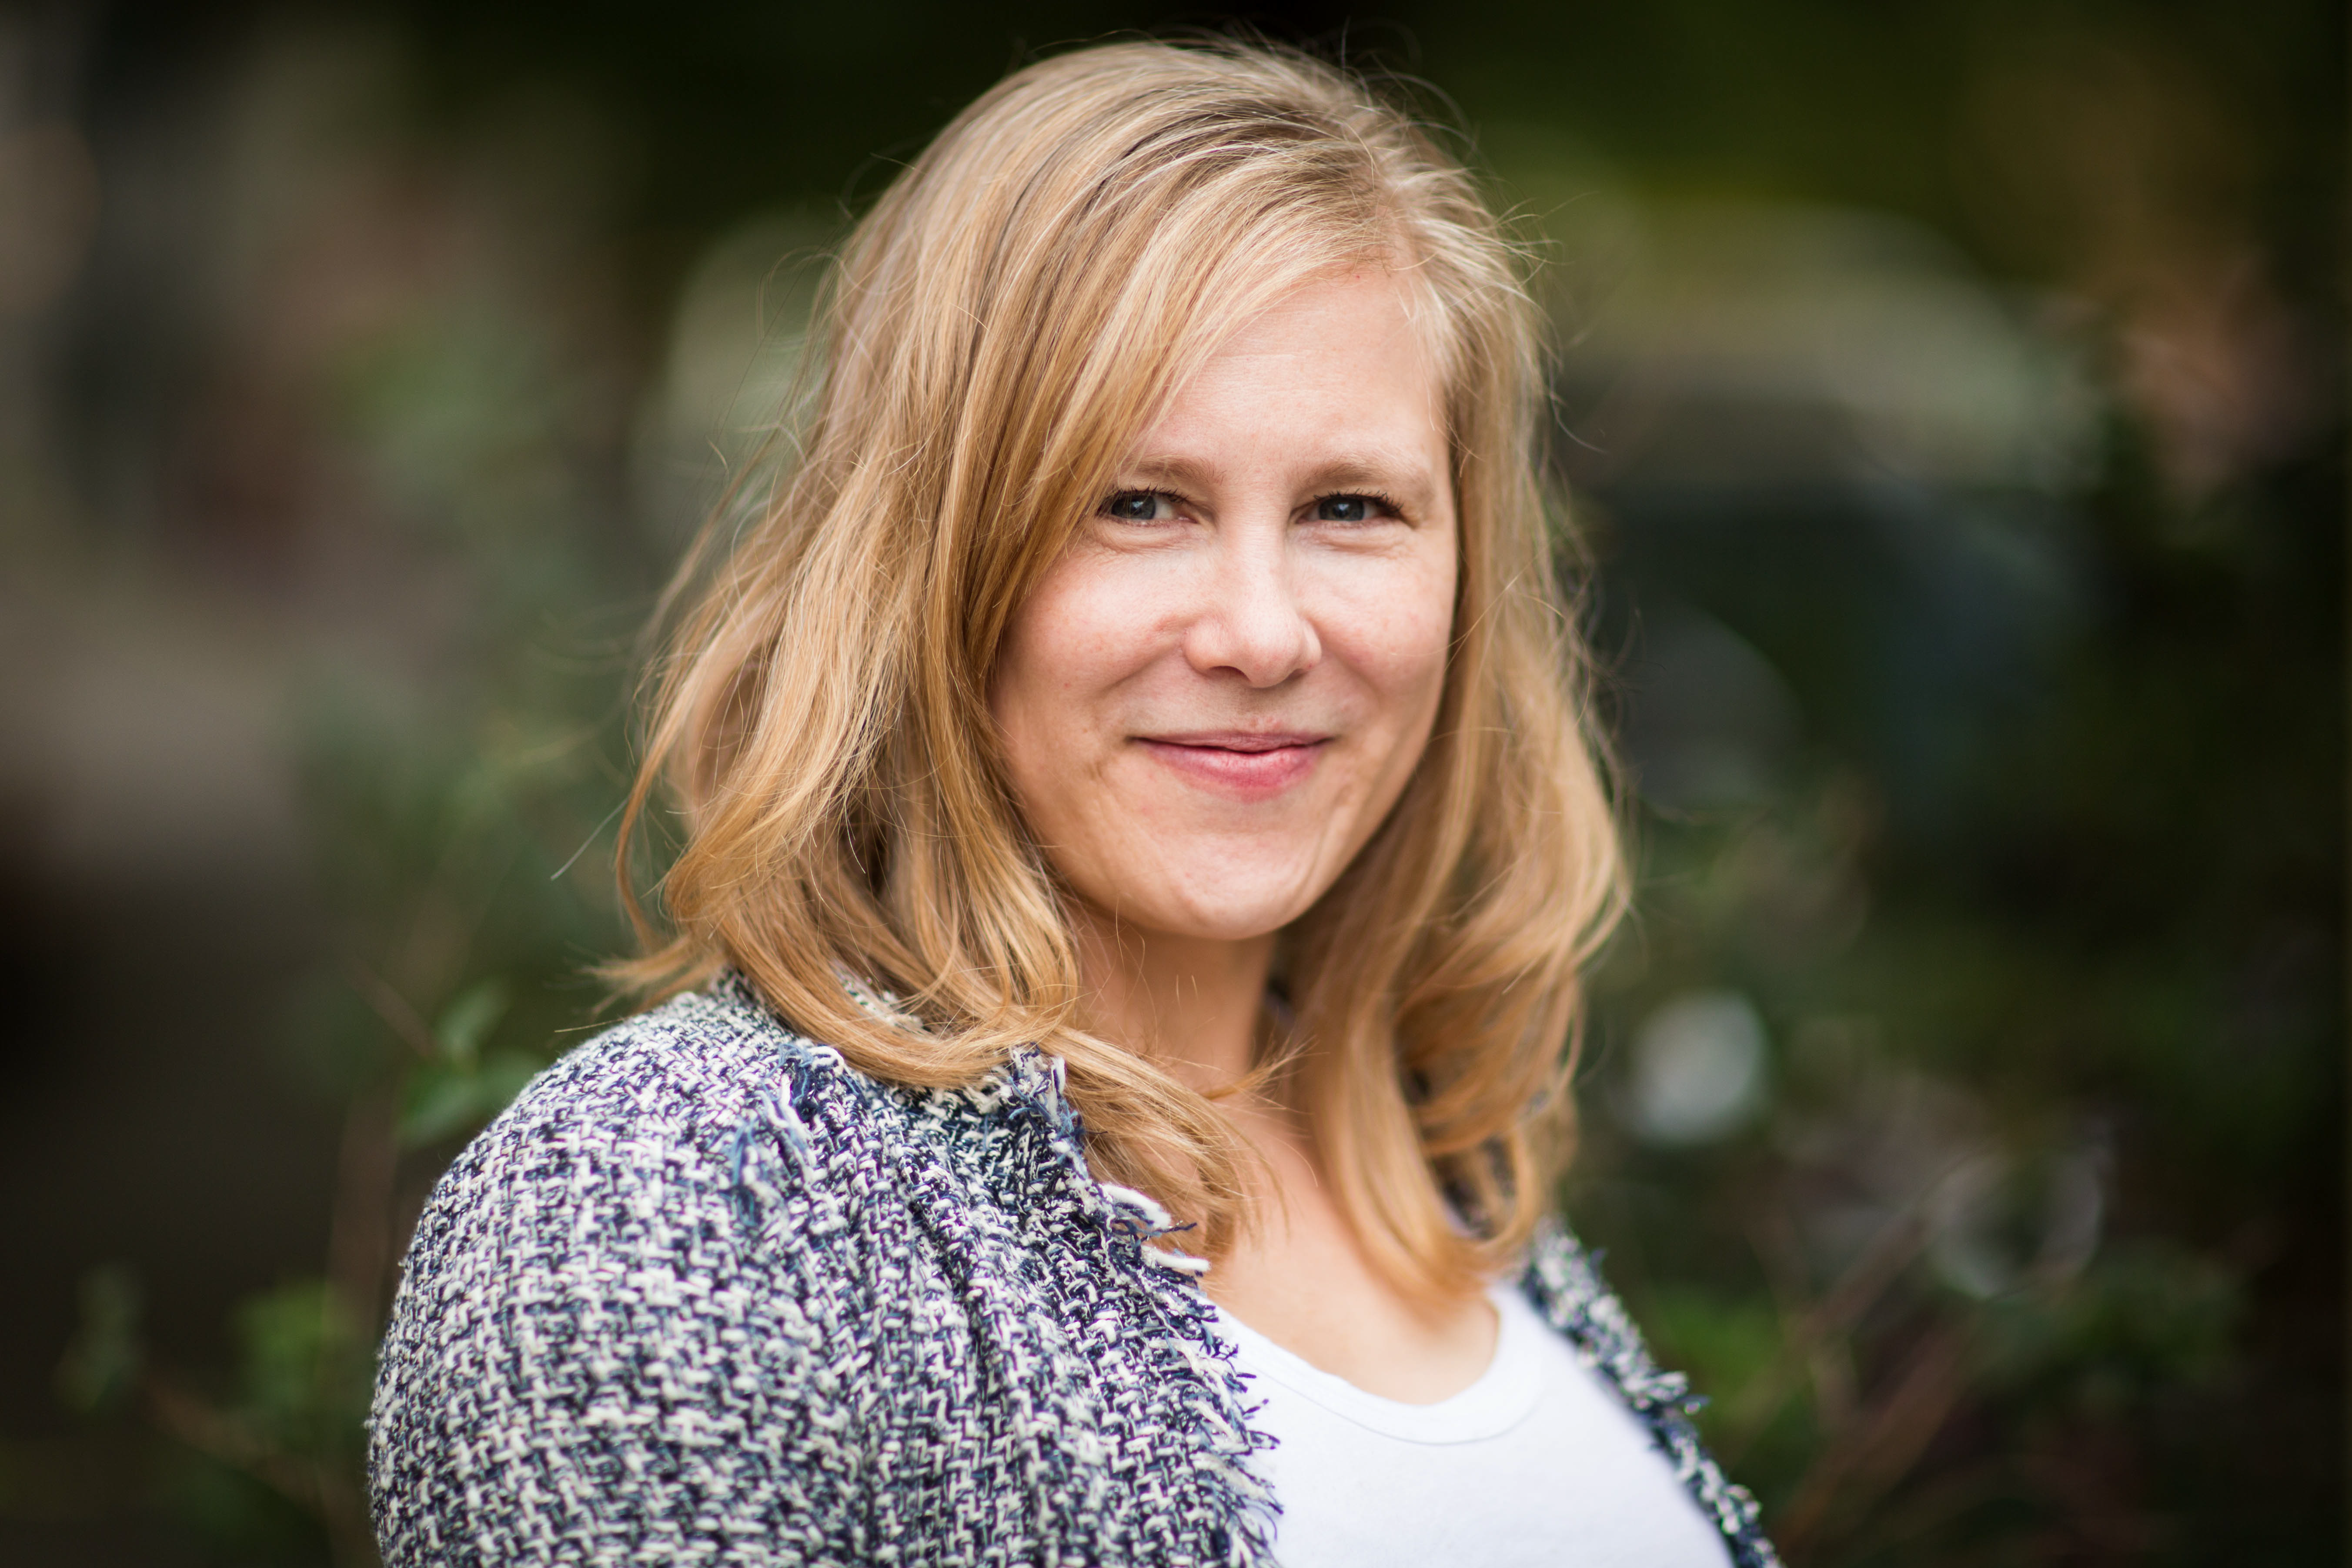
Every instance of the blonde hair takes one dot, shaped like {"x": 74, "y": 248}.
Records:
{"x": 994, "y": 335}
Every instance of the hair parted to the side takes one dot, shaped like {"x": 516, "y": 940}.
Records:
{"x": 996, "y": 332}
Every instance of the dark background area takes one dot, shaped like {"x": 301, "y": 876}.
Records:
{"x": 1950, "y": 410}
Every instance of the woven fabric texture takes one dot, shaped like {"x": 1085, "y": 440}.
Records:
{"x": 705, "y": 1294}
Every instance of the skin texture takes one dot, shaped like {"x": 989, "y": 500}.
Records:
{"x": 1209, "y": 705}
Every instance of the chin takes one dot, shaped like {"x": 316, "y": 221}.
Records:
{"x": 1227, "y": 912}
{"x": 1221, "y": 925}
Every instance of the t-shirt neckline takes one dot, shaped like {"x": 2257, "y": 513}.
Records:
{"x": 1502, "y": 1397}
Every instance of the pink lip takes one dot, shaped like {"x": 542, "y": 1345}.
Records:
{"x": 1252, "y": 765}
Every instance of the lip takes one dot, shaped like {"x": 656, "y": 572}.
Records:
{"x": 1245, "y": 764}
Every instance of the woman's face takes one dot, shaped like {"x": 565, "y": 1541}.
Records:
{"x": 1216, "y": 694}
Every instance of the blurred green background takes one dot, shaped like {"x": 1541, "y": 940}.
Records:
{"x": 1950, "y": 400}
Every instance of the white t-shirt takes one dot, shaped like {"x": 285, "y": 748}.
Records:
{"x": 1539, "y": 1462}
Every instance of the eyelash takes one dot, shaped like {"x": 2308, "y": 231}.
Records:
{"x": 1380, "y": 501}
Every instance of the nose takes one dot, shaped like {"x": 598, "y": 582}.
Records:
{"x": 1252, "y": 620}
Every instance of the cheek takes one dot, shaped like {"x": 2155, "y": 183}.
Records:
{"x": 1032, "y": 669}
{"x": 1400, "y": 635}
{"x": 1069, "y": 645}
{"x": 1427, "y": 640}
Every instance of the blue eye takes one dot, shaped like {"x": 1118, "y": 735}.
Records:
{"x": 1350, "y": 508}
{"x": 1133, "y": 506}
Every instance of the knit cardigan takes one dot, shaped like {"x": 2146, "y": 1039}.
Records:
{"x": 705, "y": 1294}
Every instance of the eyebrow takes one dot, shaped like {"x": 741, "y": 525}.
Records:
{"x": 1370, "y": 469}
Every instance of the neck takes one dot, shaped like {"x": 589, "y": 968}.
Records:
{"x": 1190, "y": 1003}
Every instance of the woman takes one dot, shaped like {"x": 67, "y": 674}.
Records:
{"x": 1126, "y": 773}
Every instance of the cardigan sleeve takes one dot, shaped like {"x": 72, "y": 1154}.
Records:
{"x": 593, "y": 1358}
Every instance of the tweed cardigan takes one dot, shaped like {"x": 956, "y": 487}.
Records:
{"x": 706, "y": 1294}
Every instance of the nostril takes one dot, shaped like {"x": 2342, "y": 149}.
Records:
{"x": 1266, "y": 644}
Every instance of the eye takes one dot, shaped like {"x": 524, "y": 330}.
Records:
{"x": 1352, "y": 507}
{"x": 1139, "y": 506}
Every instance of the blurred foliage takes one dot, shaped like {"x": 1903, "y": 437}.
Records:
{"x": 1961, "y": 1107}
{"x": 100, "y": 1369}
{"x": 2011, "y": 1268}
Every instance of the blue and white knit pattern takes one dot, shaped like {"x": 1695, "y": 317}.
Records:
{"x": 705, "y": 1294}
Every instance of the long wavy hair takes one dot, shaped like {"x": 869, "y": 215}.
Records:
{"x": 991, "y": 338}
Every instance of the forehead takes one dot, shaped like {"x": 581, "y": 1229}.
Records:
{"x": 1345, "y": 354}
{"x": 1373, "y": 309}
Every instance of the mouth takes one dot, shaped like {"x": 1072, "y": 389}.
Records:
{"x": 1250, "y": 765}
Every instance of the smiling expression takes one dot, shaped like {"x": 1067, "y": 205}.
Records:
{"x": 1212, "y": 698}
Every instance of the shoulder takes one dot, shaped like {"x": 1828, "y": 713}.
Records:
{"x": 645, "y": 1136}
{"x": 670, "y": 1073}
{"x": 665, "y": 1095}
{"x": 591, "y": 1289}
